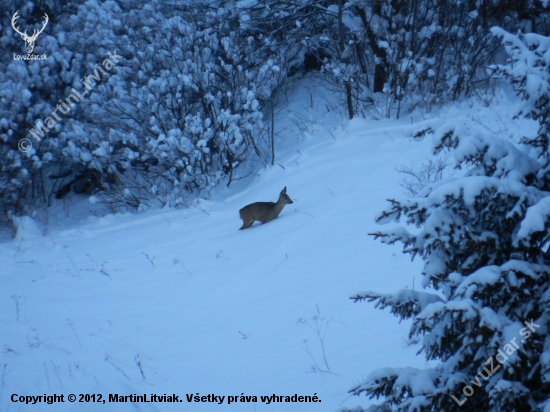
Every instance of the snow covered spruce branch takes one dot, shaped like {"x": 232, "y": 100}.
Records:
{"x": 405, "y": 304}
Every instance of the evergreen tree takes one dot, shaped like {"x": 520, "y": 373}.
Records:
{"x": 484, "y": 238}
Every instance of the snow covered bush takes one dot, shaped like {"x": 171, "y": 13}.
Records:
{"x": 388, "y": 55}
{"x": 30, "y": 91}
{"x": 182, "y": 108}
{"x": 484, "y": 238}
{"x": 190, "y": 103}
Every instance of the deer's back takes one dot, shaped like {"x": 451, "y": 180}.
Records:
{"x": 262, "y": 211}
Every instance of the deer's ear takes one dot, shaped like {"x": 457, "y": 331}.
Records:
{"x": 283, "y": 191}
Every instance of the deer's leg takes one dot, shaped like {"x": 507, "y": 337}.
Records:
{"x": 247, "y": 224}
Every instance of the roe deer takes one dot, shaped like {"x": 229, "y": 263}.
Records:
{"x": 263, "y": 211}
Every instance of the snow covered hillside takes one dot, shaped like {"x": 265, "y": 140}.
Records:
{"x": 182, "y": 302}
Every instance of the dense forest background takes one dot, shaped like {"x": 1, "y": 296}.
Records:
{"x": 192, "y": 96}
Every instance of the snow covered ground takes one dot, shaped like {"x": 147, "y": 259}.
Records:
{"x": 181, "y": 302}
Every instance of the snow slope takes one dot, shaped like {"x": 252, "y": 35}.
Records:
{"x": 181, "y": 302}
